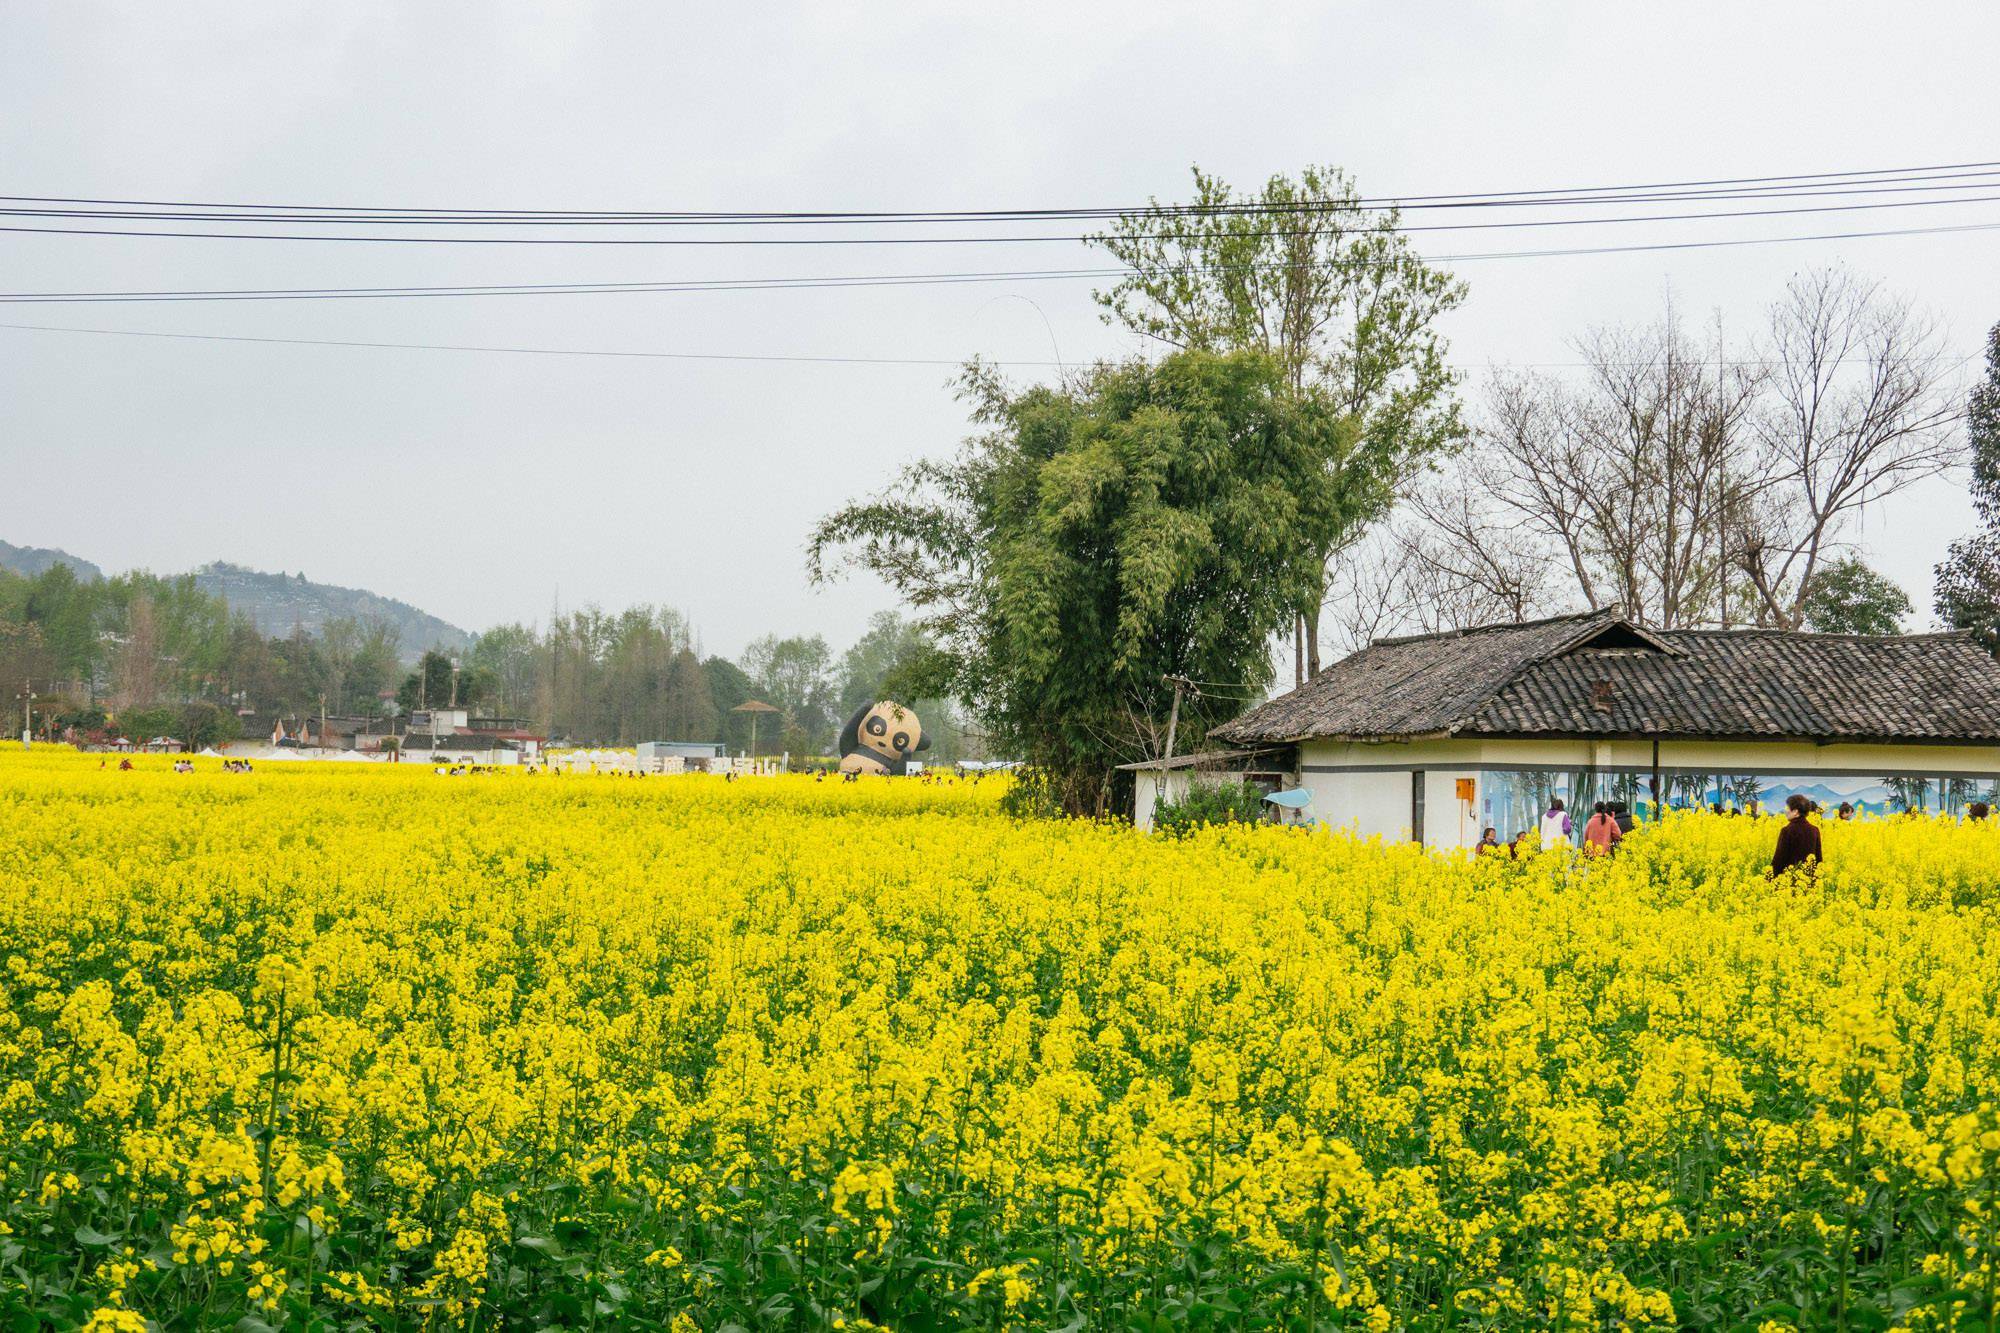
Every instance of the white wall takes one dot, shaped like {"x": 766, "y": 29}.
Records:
{"x": 1365, "y": 788}
{"x": 1148, "y": 792}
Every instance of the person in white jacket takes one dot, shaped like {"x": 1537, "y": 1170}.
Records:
{"x": 1556, "y": 825}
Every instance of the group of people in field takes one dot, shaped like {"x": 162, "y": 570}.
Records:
{"x": 1607, "y": 826}
{"x": 1799, "y": 846}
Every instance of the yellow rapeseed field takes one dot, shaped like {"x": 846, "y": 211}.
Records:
{"x": 326, "y": 1046}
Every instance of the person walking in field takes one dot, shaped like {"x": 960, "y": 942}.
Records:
{"x": 1489, "y": 841}
{"x": 1556, "y": 825}
{"x": 1602, "y": 833}
{"x": 1798, "y": 840}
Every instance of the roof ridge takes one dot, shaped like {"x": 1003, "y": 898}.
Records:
{"x": 1495, "y": 626}
{"x": 1770, "y": 630}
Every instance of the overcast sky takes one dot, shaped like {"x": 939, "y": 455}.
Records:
{"x": 480, "y": 485}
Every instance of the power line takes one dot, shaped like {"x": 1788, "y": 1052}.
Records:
{"x": 887, "y": 280}
{"x": 802, "y": 359}
{"x": 170, "y": 212}
{"x": 1745, "y": 185}
{"x": 514, "y": 351}
{"x": 1382, "y": 227}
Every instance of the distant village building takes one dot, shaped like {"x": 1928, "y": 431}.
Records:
{"x": 1438, "y": 737}
{"x": 455, "y": 733}
{"x": 678, "y": 756}
{"x": 443, "y": 733}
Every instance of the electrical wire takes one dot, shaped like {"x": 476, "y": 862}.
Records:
{"x": 1859, "y": 181}
{"x": 1383, "y": 227}
{"x": 884, "y": 280}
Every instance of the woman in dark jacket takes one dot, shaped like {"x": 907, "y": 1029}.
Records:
{"x": 1798, "y": 840}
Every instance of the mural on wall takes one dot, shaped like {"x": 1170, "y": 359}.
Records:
{"x": 1511, "y": 801}
{"x": 880, "y": 738}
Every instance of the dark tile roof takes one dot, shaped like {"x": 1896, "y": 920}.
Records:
{"x": 1600, "y": 675}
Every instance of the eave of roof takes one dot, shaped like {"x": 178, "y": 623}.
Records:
{"x": 1548, "y": 679}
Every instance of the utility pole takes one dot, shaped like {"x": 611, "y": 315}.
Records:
{"x": 322, "y": 721}
{"x": 28, "y": 714}
{"x": 1180, "y": 683}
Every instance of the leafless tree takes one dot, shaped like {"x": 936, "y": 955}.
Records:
{"x": 1617, "y": 485}
{"x": 1859, "y": 407}
{"x": 139, "y": 657}
{"x": 1688, "y": 480}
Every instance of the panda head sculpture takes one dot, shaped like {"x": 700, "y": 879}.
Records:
{"x": 880, "y": 738}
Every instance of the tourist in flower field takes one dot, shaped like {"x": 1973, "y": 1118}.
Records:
{"x": 1489, "y": 841}
{"x": 1602, "y": 833}
{"x": 1798, "y": 840}
{"x": 1977, "y": 811}
{"x": 1556, "y": 825}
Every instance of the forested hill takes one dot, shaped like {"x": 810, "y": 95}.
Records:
{"x": 279, "y": 601}
{"x": 28, "y": 561}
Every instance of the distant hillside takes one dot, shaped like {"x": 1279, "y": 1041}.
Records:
{"x": 279, "y": 601}
{"x": 32, "y": 560}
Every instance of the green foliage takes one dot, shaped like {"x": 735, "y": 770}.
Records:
{"x": 1968, "y": 580}
{"x": 202, "y": 724}
{"x": 795, "y": 674}
{"x": 896, "y": 659}
{"x": 1146, "y": 520}
{"x": 1847, "y": 597}
{"x": 881, "y": 662}
{"x": 1210, "y": 800}
{"x": 144, "y": 724}
{"x": 1334, "y": 292}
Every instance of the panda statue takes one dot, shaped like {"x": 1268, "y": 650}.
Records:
{"x": 880, "y": 738}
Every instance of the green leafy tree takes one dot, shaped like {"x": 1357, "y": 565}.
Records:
{"x": 202, "y": 724}
{"x": 796, "y": 674}
{"x": 1968, "y": 580}
{"x": 728, "y": 686}
{"x": 511, "y": 654}
{"x": 429, "y": 686}
{"x": 1847, "y": 597}
{"x": 881, "y": 660}
{"x": 144, "y": 724}
{"x": 1150, "y": 520}
{"x": 1301, "y": 270}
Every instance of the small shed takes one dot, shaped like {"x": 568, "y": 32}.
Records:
{"x": 1157, "y": 782}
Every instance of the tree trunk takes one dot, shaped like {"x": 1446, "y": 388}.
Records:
{"x": 1312, "y": 643}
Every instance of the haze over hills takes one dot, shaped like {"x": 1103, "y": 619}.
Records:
{"x": 276, "y": 602}
{"x": 30, "y": 561}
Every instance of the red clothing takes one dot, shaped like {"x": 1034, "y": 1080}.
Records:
{"x": 1601, "y": 834}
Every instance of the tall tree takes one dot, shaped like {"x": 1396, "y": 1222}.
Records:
{"x": 1859, "y": 409}
{"x": 139, "y": 657}
{"x": 1621, "y": 481}
{"x": 1147, "y": 522}
{"x": 686, "y": 709}
{"x": 1695, "y": 482}
{"x": 880, "y": 660}
{"x": 1968, "y": 580}
{"x": 1304, "y": 272}
{"x": 796, "y": 675}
